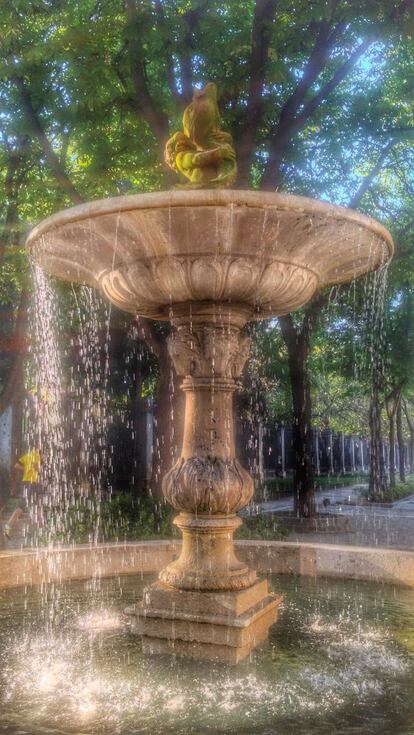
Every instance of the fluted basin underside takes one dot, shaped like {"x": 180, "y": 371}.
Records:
{"x": 149, "y": 252}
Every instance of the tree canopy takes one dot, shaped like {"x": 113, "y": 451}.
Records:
{"x": 319, "y": 98}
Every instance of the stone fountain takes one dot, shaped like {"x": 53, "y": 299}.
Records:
{"x": 208, "y": 260}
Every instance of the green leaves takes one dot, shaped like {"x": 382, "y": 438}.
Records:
{"x": 75, "y": 59}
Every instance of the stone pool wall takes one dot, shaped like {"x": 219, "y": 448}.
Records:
{"x": 29, "y": 567}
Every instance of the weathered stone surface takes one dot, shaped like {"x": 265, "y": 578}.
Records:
{"x": 30, "y": 566}
{"x": 206, "y": 350}
{"x": 150, "y": 252}
{"x": 208, "y": 485}
{"x": 43, "y": 565}
{"x": 207, "y": 560}
{"x": 205, "y": 624}
{"x": 202, "y": 651}
{"x": 160, "y": 596}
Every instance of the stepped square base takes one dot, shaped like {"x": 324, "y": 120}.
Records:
{"x": 215, "y": 626}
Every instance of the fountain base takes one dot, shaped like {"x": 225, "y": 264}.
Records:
{"x": 215, "y": 626}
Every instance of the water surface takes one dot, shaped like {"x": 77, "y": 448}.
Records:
{"x": 340, "y": 660}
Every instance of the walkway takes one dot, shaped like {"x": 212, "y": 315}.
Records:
{"x": 346, "y": 495}
{"x": 373, "y": 525}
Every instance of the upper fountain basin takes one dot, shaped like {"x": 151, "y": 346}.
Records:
{"x": 148, "y": 252}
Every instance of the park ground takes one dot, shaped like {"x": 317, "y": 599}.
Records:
{"x": 343, "y": 516}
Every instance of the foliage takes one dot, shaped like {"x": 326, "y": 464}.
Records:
{"x": 265, "y": 526}
{"x": 120, "y": 518}
{"x": 13, "y": 503}
{"x": 318, "y": 97}
{"x": 392, "y": 494}
{"x": 278, "y": 487}
{"x": 125, "y": 518}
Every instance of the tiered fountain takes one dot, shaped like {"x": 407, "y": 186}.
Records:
{"x": 209, "y": 260}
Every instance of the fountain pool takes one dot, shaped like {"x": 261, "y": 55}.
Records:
{"x": 341, "y": 659}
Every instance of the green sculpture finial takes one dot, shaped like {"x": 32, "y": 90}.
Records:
{"x": 203, "y": 153}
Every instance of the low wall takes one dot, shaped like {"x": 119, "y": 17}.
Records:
{"x": 330, "y": 560}
{"x": 82, "y": 562}
{"x": 29, "y": 567}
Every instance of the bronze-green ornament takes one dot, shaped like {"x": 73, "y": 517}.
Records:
{"x": 203, "y": 153}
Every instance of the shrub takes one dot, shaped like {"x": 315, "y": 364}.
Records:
{"x": 277, "y": 487}
{"x": 391, "y": 494}
{"x": 263, "y": 526}
{"x": 122, "y": 517}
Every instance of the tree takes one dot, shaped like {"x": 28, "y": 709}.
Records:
{"x": 317, "y": 97}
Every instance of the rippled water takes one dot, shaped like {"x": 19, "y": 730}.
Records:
{"x": 340, "y": 660}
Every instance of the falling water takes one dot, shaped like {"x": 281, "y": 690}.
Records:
{"x": 375, "y": 354}
{"x": 67, "y": 411}
{"x": 90, "y": 391}
{"x": 45, "y": 398}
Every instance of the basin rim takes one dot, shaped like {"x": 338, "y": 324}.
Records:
{"x": 208, "y": 198}
{"x": 31, "y": 566}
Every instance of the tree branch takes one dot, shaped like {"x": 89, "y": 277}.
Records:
{"x": 155, "y": 342}
{"x": 163, "y": 25}
{"x": 264, "y": 15}
{"x": 315, "y": 65}
{"x": 369, "y": 178}
{"x": 144, "y": 105}
{"x": 191, "y": 20}
{"x": 337, "y": 78}
{"x": 394, "y": 396}
{"x": 408, "y": 416}
{"x": 289, "y": 332}
{"x": 291, "y": 124}
{"x": 36, "y": 128}
{"x": 313, "y": 312}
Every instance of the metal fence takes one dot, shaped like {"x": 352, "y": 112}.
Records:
{"x": 332, "y": 452}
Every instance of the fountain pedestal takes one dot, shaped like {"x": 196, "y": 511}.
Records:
{"x": 216, "y": 626}
{"x": 208, "y": 604}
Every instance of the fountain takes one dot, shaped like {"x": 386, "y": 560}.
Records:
{"x": 208, "y": 260}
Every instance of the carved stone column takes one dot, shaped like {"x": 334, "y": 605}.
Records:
{"x": 208, "y": 484}
{"x": 207, "y": 604}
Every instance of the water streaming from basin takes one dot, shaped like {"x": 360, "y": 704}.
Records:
{"x": 67, "y": 413}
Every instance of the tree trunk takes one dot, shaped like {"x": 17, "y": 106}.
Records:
{"x": 140, "y": 436}
{"x": 298, "y": 345}
{"x": 377, "y": 480}
{"x": 393, "y": 405}
{"x": 304, "y": 483}
{"x": 400, "y": 440}
{"x": 411, "y": 450}
{"x": 410, "y": 424}
{"x": 391, "y": 434}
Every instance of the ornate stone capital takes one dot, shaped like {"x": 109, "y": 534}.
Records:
{"x": 209, "y": 351}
